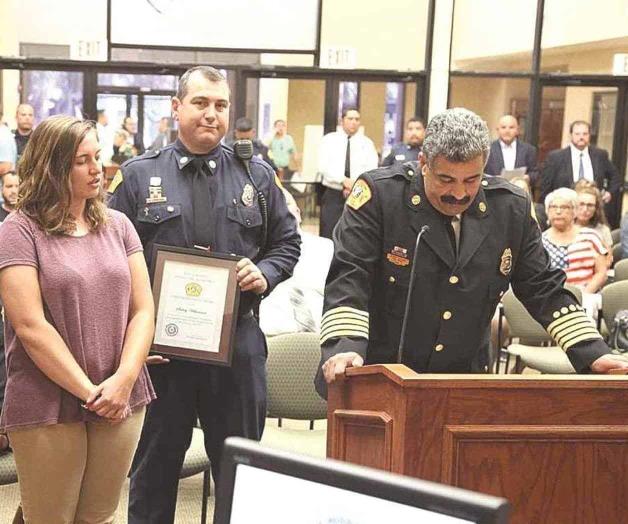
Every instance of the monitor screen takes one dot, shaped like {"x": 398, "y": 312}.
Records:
{"x": 268, "y": 486}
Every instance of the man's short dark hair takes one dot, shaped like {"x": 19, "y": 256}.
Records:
{"x": 579, "y": 123}
{"x": 209, "y": 73}
{"x": 415, "y": 119}
{"x": 243, "y": 124}
{"x": 279, "y": 120}
{"x": 347, "y": 109}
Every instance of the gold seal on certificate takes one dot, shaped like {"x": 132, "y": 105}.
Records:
{"x": 196, "y": 303}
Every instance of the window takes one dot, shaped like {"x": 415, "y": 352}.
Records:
{"x": 53, "y": 93}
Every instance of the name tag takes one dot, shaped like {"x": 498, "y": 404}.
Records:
{"x": 400, "y": 157}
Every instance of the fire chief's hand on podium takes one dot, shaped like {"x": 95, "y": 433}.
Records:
{"x": 606, "y": 363}
{"x": 337, "y": 364}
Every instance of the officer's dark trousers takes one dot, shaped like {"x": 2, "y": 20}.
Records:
{"x": 332, "y": 204}
{"x": 228, "y": 401}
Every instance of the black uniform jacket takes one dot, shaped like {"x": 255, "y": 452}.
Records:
{"x": 454, "y": 297}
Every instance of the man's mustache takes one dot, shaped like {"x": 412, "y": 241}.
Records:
{"x": 450, "y": 199}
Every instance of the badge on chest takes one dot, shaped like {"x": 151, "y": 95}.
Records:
{"x": 155, "y": 191}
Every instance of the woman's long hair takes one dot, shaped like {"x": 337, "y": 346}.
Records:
{"x": 589, "y": 188}
{"x": 44, "y": 169}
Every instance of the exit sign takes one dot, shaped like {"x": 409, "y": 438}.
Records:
{"x": 336, "y": 57}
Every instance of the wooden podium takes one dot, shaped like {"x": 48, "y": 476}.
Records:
{"x": 556, "y": 446}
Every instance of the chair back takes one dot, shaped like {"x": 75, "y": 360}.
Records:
{"x": 521, "y": 323}
{"x": 617, "y": 253}
{"x": 575, "y": 291}
{"x": 293, "y": 360}
{"x": 621, "y": 270}
{"x": 616, "y": 236}
{"x": 614, "y": 298}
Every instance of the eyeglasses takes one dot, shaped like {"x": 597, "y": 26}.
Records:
{"x": 588, "y": 206}
{"x": 554, "y": 207}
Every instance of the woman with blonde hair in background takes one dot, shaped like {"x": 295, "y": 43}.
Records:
{"x": 79, "y": 324}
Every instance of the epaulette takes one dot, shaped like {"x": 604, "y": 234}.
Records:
{"x": 406, "y": 171}
{"x": 144, "y": 156}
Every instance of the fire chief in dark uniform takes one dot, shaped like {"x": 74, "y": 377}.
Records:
{"x": 481, "y": 239}
{"x": 196, "y": 192}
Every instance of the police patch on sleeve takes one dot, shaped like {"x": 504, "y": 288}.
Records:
{"x": 360, "y": 195}
{"x": 117, "y": 180}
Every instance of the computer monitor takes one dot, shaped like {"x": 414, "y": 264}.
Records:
{"x": 264, "y": 486}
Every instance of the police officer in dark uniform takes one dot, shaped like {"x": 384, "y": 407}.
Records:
{"x": 409, "y": 149}
{"x": 195, "y": 192}
{"x": 481, "y": 239}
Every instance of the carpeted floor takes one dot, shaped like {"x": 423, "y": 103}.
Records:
{"x": 294, "y": 436}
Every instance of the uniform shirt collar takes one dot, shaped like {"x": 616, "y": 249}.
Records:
{"x": 478, "y": 208}
{"x": 184, "y": 157}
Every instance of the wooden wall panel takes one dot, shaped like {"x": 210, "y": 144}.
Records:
{"x": 549, "y": 473}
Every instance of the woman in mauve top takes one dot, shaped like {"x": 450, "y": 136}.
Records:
{"x": 79, "y": 324}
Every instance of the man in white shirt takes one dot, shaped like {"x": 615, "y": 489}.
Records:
{"x": 105, "y": 136}
{"x": 508, "y": 152}
{"x": 580, "y": 161}
{"x": 342, "y": 157}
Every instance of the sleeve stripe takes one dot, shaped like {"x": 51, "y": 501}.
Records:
{"x": 560, "y": 321}
{"x": 345, "y": 309}
{"x": 346, "y": 327}
{"x": 576, "y": 333}
{"x": 343, "y": 333}
{"x": 575, "y": 323}
{"x": 565, "y": 340}
{"x": 581, "y": 338}
{"x": 342, "y": 321}
{"x": 364, "y": 331}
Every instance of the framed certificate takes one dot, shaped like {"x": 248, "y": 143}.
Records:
{"x": 196, "y": 303}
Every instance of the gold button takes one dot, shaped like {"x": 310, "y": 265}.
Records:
{"x": 439, "y": 347}
{"x": 453, "y": 279}
{"x": 484, "y": 183}
{"x": 482, "y": 207}
{"x": 447, "y": 315}
{"x": 410, "y": 172}
{"x": 416, "y": 200}
{"x": 391, "y": 279}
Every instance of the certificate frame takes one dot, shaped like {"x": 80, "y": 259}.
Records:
{"x": 197, "y": 257}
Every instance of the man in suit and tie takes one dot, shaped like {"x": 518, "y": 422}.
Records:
{"x": 508, "y": 152}
{"x": 578, "y": 161}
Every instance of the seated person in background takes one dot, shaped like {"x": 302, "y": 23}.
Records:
{"x": 577, "y": 250}
{"x": 122, "y": 150}
{"x": 537, "y": 208}
{"x": 590, "y": 212}
{"x": 296, "y": 305}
